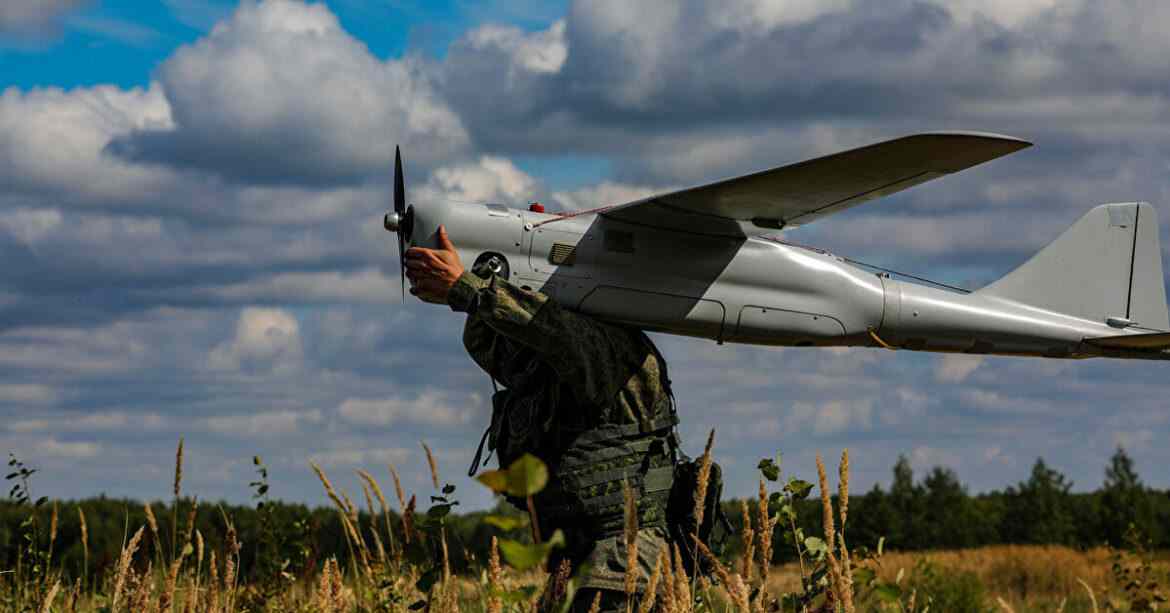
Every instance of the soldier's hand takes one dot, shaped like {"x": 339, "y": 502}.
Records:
{"x": 432, "y": 272}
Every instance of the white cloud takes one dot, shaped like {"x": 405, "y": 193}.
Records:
{"x": 265, "y": 340}
{"x": 488, "y": 179}
{"x": 34, "y": 17}
{"x": 431, "y": 408}
{"x": 52, "y": 447}
{"x": 955, "y": 368}
{"x": 27, "y": 393}
{"x": 540, "y": 52}
{"x": 830, "y": 417}
{"x": 606, "y": 193}
{"x": 280, "y": 93}
{"x": 267, "y": 423}
{"x": 53, "y": 141}
{"x": 362, "y": 456}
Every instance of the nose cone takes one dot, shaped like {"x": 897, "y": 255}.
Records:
{"x": 392, "y": 222}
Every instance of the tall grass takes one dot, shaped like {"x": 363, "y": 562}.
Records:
{"x": 402, "y": 562}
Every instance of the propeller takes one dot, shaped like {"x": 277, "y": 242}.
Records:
{"x": 401, "y": 219}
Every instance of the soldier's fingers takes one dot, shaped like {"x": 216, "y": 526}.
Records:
{"x": 417, "y": 264}
{"x": 444, "y": 241}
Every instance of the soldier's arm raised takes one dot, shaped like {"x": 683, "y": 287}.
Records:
{"x": 594, "y": 357}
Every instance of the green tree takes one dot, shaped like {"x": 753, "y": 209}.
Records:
{"x": 1125, "y": 501}
{"x": 1040, "y": 509}
{"x": 949, "y": 516}
{"x": 906, "y": 500}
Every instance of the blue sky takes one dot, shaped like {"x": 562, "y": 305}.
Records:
{"x": 190, "y": 193}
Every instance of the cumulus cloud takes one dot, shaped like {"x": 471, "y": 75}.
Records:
{"x": 266, "y": 340}
{"x": 430, "y": 408}
{"x": 280, "y": 93}
{"x": 265, "y": 423}
{"x": 31, "y": 18}
{"x": 955, "y": 368}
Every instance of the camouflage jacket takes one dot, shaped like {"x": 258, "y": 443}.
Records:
{"x": 590, "y": 399}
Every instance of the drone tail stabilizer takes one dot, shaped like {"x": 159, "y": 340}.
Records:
{"x": 1107, "y": 266}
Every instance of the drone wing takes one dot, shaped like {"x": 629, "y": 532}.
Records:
{"x": 806, "y": 191}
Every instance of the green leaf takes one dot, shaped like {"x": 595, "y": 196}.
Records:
{"x": 769, "y": 468}
{"x": 799, "y": 489}
{"x": 417, "y": 605}
{"x": 888, "y": 592}
{"x": 505, "y": 522}
{"x": 523, "y": 557}
{"x": 881, "y": 545}
{"x": 815, "y": 545}
{"x": 495, "y": 480}
{"x": 188, "y": 549}
{"x": 255, "y": 460}
{"x": 440, "y": 510}
{"x": 448, "y": 489}
{"x": 524, "y": 477}
{"x": 863, "y": 576}
{"x": 527, "y": 476}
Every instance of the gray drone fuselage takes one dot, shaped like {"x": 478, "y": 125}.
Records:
{"x": 760, "y": 290}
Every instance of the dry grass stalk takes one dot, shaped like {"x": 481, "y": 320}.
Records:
{"x": 740, "y": 594}
{"x": 704, "y": 477}
{"x": 1004, "y": 605}
{"x": 495, "y": 575}
{"x": 843, "y": 502}
{"x": 385, "y": 508}
{"x": 189, "y": 529}
{"x": 152, "y": 521}
{"x": 596, "y": 606}
{"x": 630, "y": 511}
{"x": 337, "y": 590}
{"x": 47, "y": 605}
{"x": 53, "y": 528}
{"x": 332, "y": 493}
{"x": 213, "y": 584}
{"x": 1092, "y": 596}
{"x": 431, "y": 463}
{"x": 166, "y": 601}
{"x": 178, "y": 490}
{"x": 179, "y": 468}
{"x": 749, "y": 536}
{"x": 408, "y": 519}
{"x": 682, "y": 583}
{"x": 830, "y": 533}
{"x": 668, "y": 593}
{"x": 124, "y": 567}
{"x": 84, "y": 542}
{"x": 140, "y": 599}
{"x": 651, "y": 595}
{"x": 720, "y": 570}
{"x": 230, "y": 556}
{"x": 766, "y": 527}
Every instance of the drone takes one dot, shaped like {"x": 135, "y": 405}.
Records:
{"x": 708, "y": 262}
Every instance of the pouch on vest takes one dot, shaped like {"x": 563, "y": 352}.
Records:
{"x": 680, "y": 514}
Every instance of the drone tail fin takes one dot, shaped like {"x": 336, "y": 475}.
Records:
{"x": 1107, "y": 266}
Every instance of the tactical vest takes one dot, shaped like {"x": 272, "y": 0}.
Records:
{"x": 588, "y": 461}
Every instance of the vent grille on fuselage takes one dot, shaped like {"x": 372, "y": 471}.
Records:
{"x": 562, "y": 254}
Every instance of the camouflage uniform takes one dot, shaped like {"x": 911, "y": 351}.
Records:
{"x": 590, "y": 399}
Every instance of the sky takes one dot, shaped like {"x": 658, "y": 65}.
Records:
{"x": 191, "y": 194}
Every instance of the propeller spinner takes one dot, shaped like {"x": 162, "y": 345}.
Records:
{"x": 400, "y": 220}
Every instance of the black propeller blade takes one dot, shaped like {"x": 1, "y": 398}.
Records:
{"x": 400, "y": 210}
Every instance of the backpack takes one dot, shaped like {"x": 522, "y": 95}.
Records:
{"x": 681, "y": 518}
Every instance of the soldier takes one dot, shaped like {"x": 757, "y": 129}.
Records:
{"x": 589, "y": 398}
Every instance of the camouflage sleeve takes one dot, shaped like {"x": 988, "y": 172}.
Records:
{"x": 594, "y": 357}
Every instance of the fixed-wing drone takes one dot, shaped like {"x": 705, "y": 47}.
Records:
{"x": 704, "y": 262}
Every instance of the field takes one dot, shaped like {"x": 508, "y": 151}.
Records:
{"x": 182, "y": 557}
